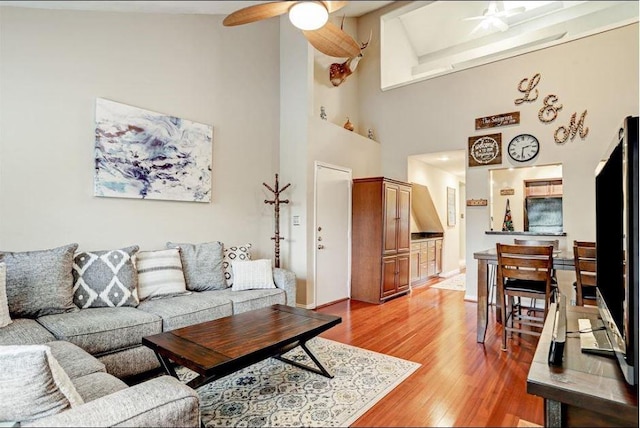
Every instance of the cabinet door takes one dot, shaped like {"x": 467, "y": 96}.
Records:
{"x": 403, "y": 273}
{"x": 431, "y": 258}
{"x": 404, "y": 219}
{"x": 415, "y": 266}
{"x": 389, "y": 273}
{"x": 390, "y": 229}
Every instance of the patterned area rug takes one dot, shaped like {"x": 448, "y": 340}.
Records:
{"x": 456, "y": 282}
{"x": 276, "y": 394}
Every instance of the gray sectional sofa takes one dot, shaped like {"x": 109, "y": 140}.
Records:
{"x": 99, "y": 347}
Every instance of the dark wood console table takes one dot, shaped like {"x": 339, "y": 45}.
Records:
{"x": 588, "y": 390}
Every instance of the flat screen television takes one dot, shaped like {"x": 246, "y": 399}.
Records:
{"x": 617, "y": 246}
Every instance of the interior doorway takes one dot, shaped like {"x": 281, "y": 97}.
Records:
{"x": 332, "y": 233}
{"x": 444, "y": 173}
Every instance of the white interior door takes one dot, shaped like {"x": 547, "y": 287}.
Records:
{"x": 332, "y": 233}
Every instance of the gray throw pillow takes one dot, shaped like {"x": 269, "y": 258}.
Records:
{"x": 40, "y": 282}
{"x": 202, "y": 265}
{"x": 34, "y": 385}
{"x": 105, "y": 278}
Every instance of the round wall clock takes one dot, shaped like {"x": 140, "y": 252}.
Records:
{"x": 484, "y": 150}
{"x": 523, "y": 147}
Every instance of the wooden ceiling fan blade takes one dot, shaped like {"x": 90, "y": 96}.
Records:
{"x": 257, "y": 12}
{"x": 332, "y": 41}
{"x": 332, "y": 6}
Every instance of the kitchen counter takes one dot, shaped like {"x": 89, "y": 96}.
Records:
{"x": 416, "y": 236}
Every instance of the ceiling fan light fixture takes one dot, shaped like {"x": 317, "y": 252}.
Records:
{"x": 308, "y": 15}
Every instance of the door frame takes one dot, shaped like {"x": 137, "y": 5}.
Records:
{"x": 316, "y": 166}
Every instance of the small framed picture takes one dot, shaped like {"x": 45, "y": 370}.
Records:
{"x": 451, "y": 206}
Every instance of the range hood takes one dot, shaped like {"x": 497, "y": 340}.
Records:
{"x": 424, "y": 216}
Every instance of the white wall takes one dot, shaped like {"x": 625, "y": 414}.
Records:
{"x": 598, "y": 74}
{"x": 340, "y": 101}
{"x": 54, "y": 64}
{"x": 437, "y": 181}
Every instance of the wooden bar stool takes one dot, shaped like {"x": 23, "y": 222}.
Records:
{"x": 523, "y": 271}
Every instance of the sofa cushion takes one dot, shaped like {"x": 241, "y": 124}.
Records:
{"x": 105, "y": 278}
{"x": 75, "y": 361}
{"x": 5, "y": 318}
{"x": 252, "y": 275}
{"x": 249, "y": 300}
{"x": 160, "y": 274}
{"x": 33, "y": 384}
{"x": 40, "y": 282}
{"x": 24, "y": 331}
{"x": 202, "y": 265}
{"x": 231, "y": 254}
{"x": 181, "y": 311}
{"x": 99, "y": 330}
{"x": 130, "y": 361}
{"x": 97, "y": 385}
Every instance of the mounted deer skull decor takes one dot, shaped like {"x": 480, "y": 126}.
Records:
{"x": 338, "y": 72}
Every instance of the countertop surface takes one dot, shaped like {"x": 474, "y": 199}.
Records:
{"x": 416, "y": 236}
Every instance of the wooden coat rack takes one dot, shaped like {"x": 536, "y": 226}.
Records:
{"x": 276, "y": 203}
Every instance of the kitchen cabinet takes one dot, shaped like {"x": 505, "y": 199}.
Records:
{"x": 426, "y": 260}
{"x": 381, "y": 239}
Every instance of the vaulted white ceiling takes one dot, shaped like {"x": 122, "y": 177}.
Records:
{"x": 353, "y": 9}
{"x": 423, "y": 40}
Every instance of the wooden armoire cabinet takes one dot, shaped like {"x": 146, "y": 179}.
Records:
{"x": 381, "y": 239}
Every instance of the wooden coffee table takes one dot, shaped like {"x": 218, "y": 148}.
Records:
{"x": 214, "y": 349}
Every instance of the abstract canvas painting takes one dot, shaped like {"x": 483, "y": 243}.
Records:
{"x": 147, "y": 155}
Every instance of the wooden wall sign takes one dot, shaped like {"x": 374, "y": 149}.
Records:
{"x": 476, "y": 202}
{"x": 497, "y": 120}
{"x": 507, "y": 192}
{"x": 485, "y": 150}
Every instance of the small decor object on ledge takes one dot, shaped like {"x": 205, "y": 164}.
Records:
{"x": 276, "y": 203}
{"x": 323, "y": 114}
{"x": 348, "y": 125}
{"x": 507, "y": 224}
{"x": 370, "y": 134}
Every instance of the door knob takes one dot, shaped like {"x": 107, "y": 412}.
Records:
{"x": 320, "y": 246}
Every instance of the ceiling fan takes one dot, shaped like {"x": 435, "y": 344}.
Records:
{"x": 309, "y": 16}
{"x": 493, "y": 17}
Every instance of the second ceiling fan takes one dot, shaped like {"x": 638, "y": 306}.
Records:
{"x": 311, "y": 17}
{"x": 493, "y": 16}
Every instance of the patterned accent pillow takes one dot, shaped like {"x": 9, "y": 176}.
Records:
{"x": 160, "y": 274}
{"x": 202, "y": 265}
{"x": 5, "y": 318}
{"x": 105, "y": 278}
{"x": 34, "y": 385}
{"x": 252, "y": 275}
{"x": 240, "y": 252}
{"x": 40, "y": 282}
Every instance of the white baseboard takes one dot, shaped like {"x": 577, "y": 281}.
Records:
{"x": 310, "y": 306}
{"x": 450, "y": 273}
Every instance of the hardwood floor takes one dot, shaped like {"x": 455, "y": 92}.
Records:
{"x": 461, "y": 382}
